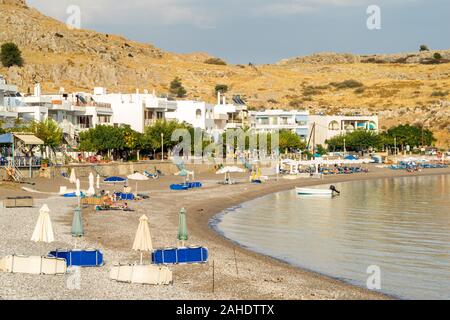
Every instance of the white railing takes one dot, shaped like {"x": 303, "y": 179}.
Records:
{"x": 7, "y": 109}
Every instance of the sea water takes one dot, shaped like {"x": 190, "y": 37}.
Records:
{"x": 399, "y": 227}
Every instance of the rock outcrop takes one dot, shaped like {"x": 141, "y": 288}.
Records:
{"x": 21, "y": 3}
{"x": 424, "y": 57}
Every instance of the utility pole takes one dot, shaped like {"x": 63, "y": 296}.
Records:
{"x": 345, "y": 147}
{"x": 162, "y": 146}
{"x": 312, "y": 136}
{"x": 314, "y": 140}
{"x": 422, "y": 133}
{"x": 395, "y": 145}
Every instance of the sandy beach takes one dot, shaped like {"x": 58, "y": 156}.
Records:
{"x": 253, "y": 276}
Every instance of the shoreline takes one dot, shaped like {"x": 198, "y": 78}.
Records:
{"x": 207, "y": 230}
{"x": 254, "y": 275}
{"x": 216, "y": 219}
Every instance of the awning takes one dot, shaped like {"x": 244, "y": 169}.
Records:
{"x": 29, "y": 139}
{"x": 6, "y": 138}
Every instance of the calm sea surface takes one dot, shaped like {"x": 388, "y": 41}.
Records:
{"x": 401, "y": 225}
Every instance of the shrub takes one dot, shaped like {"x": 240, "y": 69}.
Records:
{"x": 296, "y": 103}
{"x": 437, "y": 56}
{"x": 424, "y": 48}
{"x": 10, "y": 55}
{"x": 347, "y": 84}
{"x": 313, "y": 90}
{"x": 216, "y": 61}
{"x": 360, "y": 90}
{"x": 439, "y": 94}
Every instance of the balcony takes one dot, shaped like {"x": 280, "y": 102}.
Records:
{"x": 92, "y": 104}
{"x": 234, "y": 124}
{"x": 7, "y": 108}
{"x": 83, "y": 127}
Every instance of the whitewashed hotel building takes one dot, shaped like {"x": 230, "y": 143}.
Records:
{"x": 136, "y": 110}
{"x": 277, "y": 120}
{"x": 329, "y": 126}
{"x": 199, "y": 114}
{"x": 8, "y": 112}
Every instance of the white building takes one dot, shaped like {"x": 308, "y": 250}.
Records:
{"x": 8, "y": 95}
{"x": 228, "y": 115}
{"x": 277, "y": 120}
{"x": 136, "y": 110}
{"x": 74, "y": 112}
{"x": 213, "y": 119}
{"x": 199, "y": 114}
{"x": 327, "y": 127}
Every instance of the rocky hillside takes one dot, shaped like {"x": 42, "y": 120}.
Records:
{"x": 423, "y": 57}
{"x": 412, "y": 87}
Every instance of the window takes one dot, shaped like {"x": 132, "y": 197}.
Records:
{"x": 334, "y": 125}
{"x": 198, "y": 114}
{"x": 349, "y": 127}
{"x": 264, "y": 120}
{"x": 148, "y": 115}
{"x": 284, "y": 120}
{"x": 104, "y": 119}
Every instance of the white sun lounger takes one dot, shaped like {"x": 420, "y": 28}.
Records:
{"x": 33, "y": 265}
{"x": 141, "y": 274}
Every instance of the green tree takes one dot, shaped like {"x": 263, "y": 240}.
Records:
{"x": 2, "y": 125}
{"x": 320, "y": 149}
{"x": 409, "y": 135}
{"x": 10, "y": 55}
{"x": 177, "y": 89}
{"x": 151, "y": 139}
{"x": 289, "y": 141}
{"x": 424, "y": 48}
{"x": 222, "y": 88}
{"x": 103, "y": 139}
{"x": 358, "y": 140}
{"x": 48, "y": 131}
{"x": 132, "y": 139}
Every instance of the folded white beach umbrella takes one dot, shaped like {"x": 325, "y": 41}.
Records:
{"x": 230, "y": 170}
{"x": 73, "y": 177}
{"x": 78, "y": 191}
{"x": 143, "y": 240}
{"x": 98, "y": 181}
{"x": 137, "y": 177}
{"x": 43, "y": 232}
{"x": 91, "y": 190}
{"x": 227, "y": 170}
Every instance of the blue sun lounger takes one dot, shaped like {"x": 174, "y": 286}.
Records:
{"x": 73, "y": 195}
{"x": 189, "y": 255}
{"x": 186, "y": 186}
{"x": 125, "y": 196}
{"x": 80, "y": 258}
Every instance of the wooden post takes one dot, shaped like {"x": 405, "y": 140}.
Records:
{"x": 213, "y": 276}
{"x": 235, "y": 262}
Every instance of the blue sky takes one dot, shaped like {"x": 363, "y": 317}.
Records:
{"x": 265, "y": 31}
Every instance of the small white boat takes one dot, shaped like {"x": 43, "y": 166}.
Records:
{"x": 314, "y": 192}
